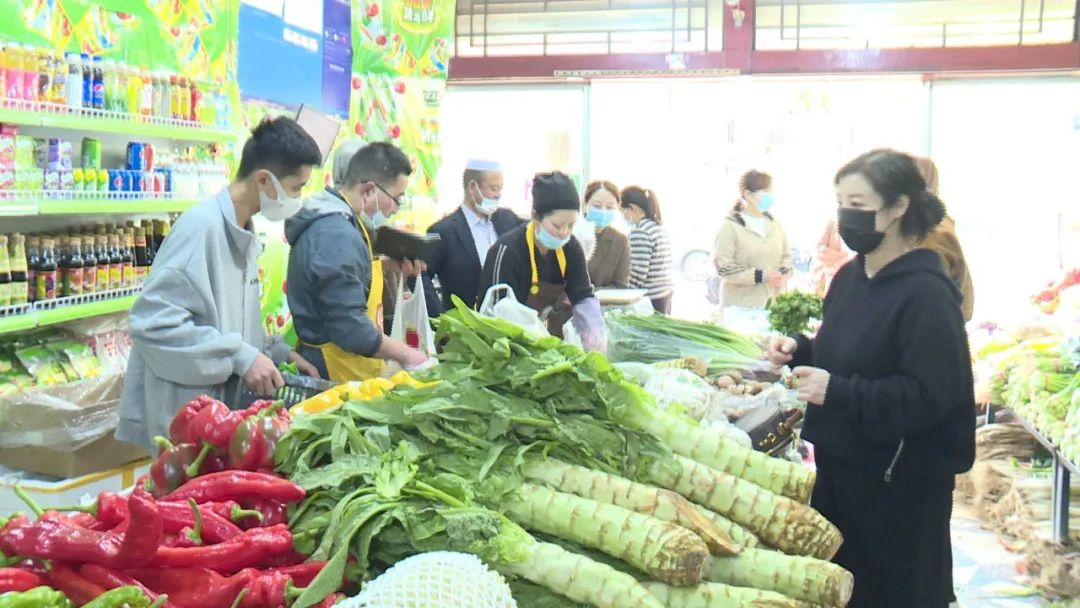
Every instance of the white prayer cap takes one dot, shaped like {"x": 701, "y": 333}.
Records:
{"x": 481, "y": 164}
{"x": 342, "y": 156}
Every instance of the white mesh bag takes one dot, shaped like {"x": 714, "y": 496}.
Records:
{"x": 440, "y": 579}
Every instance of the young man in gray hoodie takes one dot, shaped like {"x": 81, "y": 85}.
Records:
{"x": 197, "y": 326}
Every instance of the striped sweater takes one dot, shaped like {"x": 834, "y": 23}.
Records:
{"x": 651, "y": 265}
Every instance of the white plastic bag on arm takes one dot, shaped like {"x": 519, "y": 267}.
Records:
{"x": 411, "y": 315}
{"x": 508, "y": 308}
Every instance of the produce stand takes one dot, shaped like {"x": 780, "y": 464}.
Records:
{"x": 1064, "y": 469}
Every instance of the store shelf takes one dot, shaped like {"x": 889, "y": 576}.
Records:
{"x": 63, "y": 310}
{"x": 79, "y": 203}
{"x": 1050, "y": 446}
{"x": 99, "y": 121}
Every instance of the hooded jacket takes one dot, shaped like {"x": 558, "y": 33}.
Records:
{"x": 900, "y": 400}
{"x": 197, "y": 325}
{"x": 329, "y": 278}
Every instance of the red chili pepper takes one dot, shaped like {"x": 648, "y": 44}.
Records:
{"x": 330, "y": 600}
{"x": 252, "y": 549}
{"x": 191, "y": 587}
{"x": 111, "y": 579}
{"x": 232, "y": 511}
{"x": 176, "y": 464}
{"x": 180, "y": 427}
{"x": 301, "y": 574}
{"x": 17, "y": 579}
{"x": 64, "y": 578}
{"x": 255, "y": 439}
{"x": 55, "y": 538}
{"x": 79, "y": 520}
{"x": 237, "y": 485}
{"x": 265, "y": 589}
{"x": 261, "y": 405}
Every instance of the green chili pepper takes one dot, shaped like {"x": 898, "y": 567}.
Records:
{"x": 38, "y": 597}
{"x": 121, "y": 597}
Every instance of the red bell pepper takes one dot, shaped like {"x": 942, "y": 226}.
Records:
{"x": 252, "y": 549}
{"x": 255, "y": 439}
{"x": 237, "y": 485}
{"x": 180, "y": 429}
{"x": 273, "y": 512}
{"x": 17, "y": 579}
{"x": 176, "y": 464}
{"x": 214, "y": 424}
{"x": 77, "y": 588}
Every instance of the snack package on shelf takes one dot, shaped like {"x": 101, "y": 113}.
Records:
{"x": 52, "y": 358}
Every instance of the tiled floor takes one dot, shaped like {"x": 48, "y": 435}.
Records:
{"x": 984, "y": 572}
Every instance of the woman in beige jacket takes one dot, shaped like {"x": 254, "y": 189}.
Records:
{"x": 752, "y": 256}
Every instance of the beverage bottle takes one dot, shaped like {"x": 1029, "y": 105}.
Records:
{"x": 146, "y": 102}
{"x": 116, "y": 262}
{"x": 104, "y": 265}
{"x": 43, "y": 58}
{"x": 29, "y": 73}
{"x": 17, "y": 253}
{"x": 174, "y": 97}
{"x": 164, "y": 99}
{"x": 89, "y": 264}
{"x": 98, "y": 90}
{"x": 127, "y": 254}
{"x": 46, "y": 271}
{"x": 195, "y": 110}
{"x": 5, "y": 273}
{"x": 73, "y": 82}
{"x": 134, "y": 90}
{"x": 58, "y": 86}
{"x": 115, "y": 97}
{"x": 33, "y": 260}
{"x": 87, "y": 80}
{"x": 3, "y": 71}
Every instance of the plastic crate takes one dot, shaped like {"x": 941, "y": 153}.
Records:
{"x": 296, "y": 389}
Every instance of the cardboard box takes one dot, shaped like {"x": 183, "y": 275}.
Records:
{"x": 65, "y": 431}
{"x": 100, "y": 455}
{"x": 68, "y": 492}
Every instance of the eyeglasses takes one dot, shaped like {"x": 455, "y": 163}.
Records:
{"x": 400, "y": 201}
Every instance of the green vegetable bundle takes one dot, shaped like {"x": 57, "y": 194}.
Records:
{"x": 790, "y": 313}
{"x": 529, "y": 433}
{"x": 655, "y": 338}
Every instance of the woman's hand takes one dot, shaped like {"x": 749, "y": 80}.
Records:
{"x": 303, "y": 365}
{"x": 812, "y": 385}
{"x": 774, "y": 279}
{"x": 780, "y": 350}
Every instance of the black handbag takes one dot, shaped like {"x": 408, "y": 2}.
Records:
{"x": 770, "y": 427}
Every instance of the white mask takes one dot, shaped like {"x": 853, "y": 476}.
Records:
{"x": 280, "y": 209}
{"x": 486, "y": 206}
{"x": 378, "y": 220}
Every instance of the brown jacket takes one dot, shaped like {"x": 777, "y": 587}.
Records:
{"x": 943, "y": 241}
{"x": 609, "y": 266}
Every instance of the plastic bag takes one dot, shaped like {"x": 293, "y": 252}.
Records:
{"x": 411, "y": 322}
{"x": 509, "y": 309}
{"x": 65, "y": 417}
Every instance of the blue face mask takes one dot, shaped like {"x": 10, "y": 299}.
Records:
{"x": 765, "y": 201}
{"x": 601, "y": 217}
{"x": 549, "y": 240}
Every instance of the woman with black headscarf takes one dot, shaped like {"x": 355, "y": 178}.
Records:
{"x": 545, "y": 265}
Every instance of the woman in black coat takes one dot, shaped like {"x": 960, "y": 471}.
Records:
{"x": 889, "y": 385}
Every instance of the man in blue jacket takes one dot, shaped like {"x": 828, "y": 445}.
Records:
{"x": 465, "y": 237}
{"x": 335, "y": 278}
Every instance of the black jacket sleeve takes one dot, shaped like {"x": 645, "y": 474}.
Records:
{"x": 434, "y": 267}
{"x": 340, "y": 267}
{"x": 932, "y": 378}
{"x": 578, "y": 284}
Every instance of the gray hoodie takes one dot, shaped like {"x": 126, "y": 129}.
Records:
{"x": 329, "y": 279}
{"x": 197, "y": 326}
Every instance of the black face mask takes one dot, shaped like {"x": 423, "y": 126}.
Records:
{"x": 858, "y": 230}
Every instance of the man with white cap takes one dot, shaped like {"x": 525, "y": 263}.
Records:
{"x": 466, "y": 236}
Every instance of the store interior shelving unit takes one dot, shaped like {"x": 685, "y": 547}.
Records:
{"x": 48, "y": 120}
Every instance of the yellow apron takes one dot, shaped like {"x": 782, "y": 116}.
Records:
{"x": 342, "y": 365}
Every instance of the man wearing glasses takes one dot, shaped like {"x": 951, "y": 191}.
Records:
{"x": 335, "y": 279}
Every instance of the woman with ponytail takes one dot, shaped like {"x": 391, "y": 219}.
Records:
{"x": 651, "y": 264}
{"x": 888, "y": 383}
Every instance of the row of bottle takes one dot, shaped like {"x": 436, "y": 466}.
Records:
{"x": 40, "y": 268}
{"x": 78, "y": 80}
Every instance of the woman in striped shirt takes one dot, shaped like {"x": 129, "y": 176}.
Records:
{"x": 651, "y": 266}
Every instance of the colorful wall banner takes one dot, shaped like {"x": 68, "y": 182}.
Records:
{"x": 195, "y": 38}
{"x": 403, "y": 37}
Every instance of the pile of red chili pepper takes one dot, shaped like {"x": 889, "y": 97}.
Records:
{"x": 213, "y": 539}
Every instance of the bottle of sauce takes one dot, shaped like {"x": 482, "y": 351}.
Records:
{"x": 116, "y": 263}
{"x": 142, "y": 256}
{"x": 5, "y": 273}
{"x": 33, "y": 260}
{"x": 127, "y": 254}
{"x": 104, "y": 264}
{"x": 17, "y": 250}
{"x": 46, "y": 271}
{"x": 72, "y": 263}
{"x": 89, "y": 264}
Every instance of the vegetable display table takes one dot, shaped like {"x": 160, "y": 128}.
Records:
{"x": 1064, "y": 469}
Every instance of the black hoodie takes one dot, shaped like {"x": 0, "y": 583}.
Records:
{"x": 900, "y": 398}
